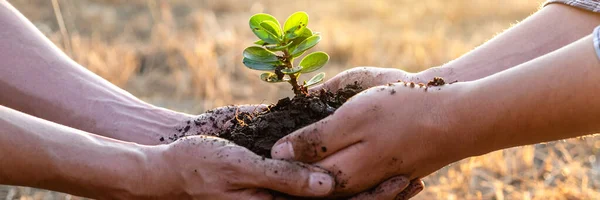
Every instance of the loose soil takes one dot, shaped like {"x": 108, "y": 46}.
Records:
{"x": 259, "y": 131}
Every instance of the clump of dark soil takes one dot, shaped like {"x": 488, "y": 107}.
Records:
{"x": 259, "y": 131}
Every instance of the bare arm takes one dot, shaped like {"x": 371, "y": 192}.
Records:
{"x": 550, "y": 98}
{"x": 39, "y": 79}
{"x": 38, "y": 153}
{"x": 553, "y": 27}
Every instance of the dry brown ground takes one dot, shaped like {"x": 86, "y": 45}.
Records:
{"x": 186, "y": 55}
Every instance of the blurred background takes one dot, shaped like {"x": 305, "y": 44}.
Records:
{"x": 186, "y": 55}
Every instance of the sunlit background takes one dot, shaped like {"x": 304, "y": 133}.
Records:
{"x": 186, "y": 55}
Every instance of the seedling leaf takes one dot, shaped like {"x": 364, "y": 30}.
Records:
{"x": 256, "y": 19}
{"x": 261, "y": 32}
{"x": 256, "y": 65}
{"x": 261, "y": 43}
{"x": 306, "y": 33}
{"x": 271, "y": 27}
{"x": 313, "y": 61}
{"x": 295, "y": 24}
{"x": 270, "y": 77}
{"x": 278, "y": 48}
{"x": 315, "y": 79}
{"x": 291, "y": 70}
{"x": 306, "y": 44}
{"x": 266, "y": 35}
{"x": 259, "y": 54}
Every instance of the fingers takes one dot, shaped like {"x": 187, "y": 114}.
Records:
{"x": 362, "y": 75}
{"x": 412, "y": 190}
{"x": 316, "y": 141}
{"x": 291, "y": 178}
{"x": 386, "y": 190}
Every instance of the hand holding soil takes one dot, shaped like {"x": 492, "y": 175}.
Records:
{"x": 356, "y": 142}
{"x": 204, "y": 167}
{"x": 215, "y": 121}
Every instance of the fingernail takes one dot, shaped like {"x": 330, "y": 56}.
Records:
{"x": 283, "y": 151}
{"x": 320, "y": 183}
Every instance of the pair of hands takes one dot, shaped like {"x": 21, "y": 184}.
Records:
{"x": 385, "y": 131}
{"x": 210, "y": 167}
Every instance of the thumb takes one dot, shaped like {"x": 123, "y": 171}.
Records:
{"x": 292, "y": 178}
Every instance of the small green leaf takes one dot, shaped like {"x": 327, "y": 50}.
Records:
{"x": 295, "y": 42}
{"x": 256, "y": 19}
{"x": 315, "y": 79}
{"x": 291, "y": 70}
{"x": 261, "y": 43}
{"x": 266, "y": 36}
{"x": 261, "y": 32}
{"x": 277, "y": 47}
{"x": 314, "y": 61}
{"x": 306, "y": 44}
{"x": 256, "y": 65}
{"x": 260, "y": 54}
{"x": 271, "y": 27}
{"x": 270, "y": 77}
{"x": 295, "y": 24}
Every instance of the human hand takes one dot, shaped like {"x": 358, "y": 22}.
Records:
{"x": 382, "y": 132}
{"x": 205, "y": 167}
{"x": 215, "y": 120}
{"x": 373, "y": 76}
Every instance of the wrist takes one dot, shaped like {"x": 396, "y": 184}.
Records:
{"x": 165, "y": 180}
{"x": 112, "y": 170}
{"x": 141, "y": 123}
{"x": 471, "y": 122}
{"x": 449, "y": 122}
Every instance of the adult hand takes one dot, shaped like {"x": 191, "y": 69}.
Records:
{"x": 205, "y": 167}
{"x": 373, "y": 76}
{"x": 382, "y": 132}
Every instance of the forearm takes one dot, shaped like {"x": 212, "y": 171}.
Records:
{"x": 38, "y": 153}
{"x": 549, "y": 98}
{"x": 550, "y": 28}
{"x": 38, "y": 79}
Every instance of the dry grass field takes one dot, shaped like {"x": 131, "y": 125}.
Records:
{"x": 186, "y": 55}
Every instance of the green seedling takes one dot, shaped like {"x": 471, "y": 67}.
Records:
{"x": 279, "y": 47}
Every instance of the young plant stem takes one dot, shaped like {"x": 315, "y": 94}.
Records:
{"x": 293, "y": 78}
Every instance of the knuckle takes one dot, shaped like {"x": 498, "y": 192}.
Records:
{"x": 282, "y": 174}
